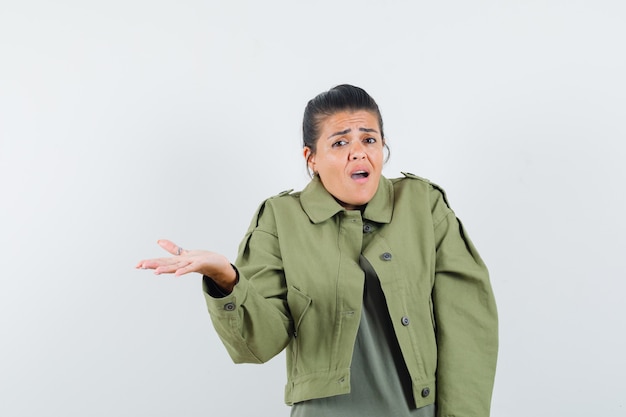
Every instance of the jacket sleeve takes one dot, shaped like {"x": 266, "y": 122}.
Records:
{"x": 253, "y": 321}
{"x": 465, "y": 317}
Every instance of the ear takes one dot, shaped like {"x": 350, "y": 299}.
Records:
{"x": 309, "y": 157}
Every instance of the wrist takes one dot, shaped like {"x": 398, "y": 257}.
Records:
{"x": 226, "y": 279}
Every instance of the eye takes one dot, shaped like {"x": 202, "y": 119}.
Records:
{"x": 370, "y": 140}
{"x": 339, "y": 143}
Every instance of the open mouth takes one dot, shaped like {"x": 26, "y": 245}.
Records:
{"x": 360, "y": 174}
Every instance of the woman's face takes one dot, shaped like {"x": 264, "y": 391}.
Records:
{"x": 349, "y": 156}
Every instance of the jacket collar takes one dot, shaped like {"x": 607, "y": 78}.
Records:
{"x": 320, "y": 205}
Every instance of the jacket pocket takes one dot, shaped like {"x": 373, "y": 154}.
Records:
{"x": 298, "y": 305}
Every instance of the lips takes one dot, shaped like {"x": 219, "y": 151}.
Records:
{"x": 359, "y": 174}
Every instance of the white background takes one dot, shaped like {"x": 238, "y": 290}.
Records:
{"x": 122, "y": 122}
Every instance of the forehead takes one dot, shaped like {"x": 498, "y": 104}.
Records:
{"x": 347, "y": 119}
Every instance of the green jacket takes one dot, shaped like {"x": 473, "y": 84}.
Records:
{"x": 301, "y": 288}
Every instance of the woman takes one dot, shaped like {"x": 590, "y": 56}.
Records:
{"x": 371, "y": 284}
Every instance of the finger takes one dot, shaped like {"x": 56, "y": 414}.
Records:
{"x": 170, "y": 269}
{"x": 192, "y": 267}
{"x": 148, "y": 264}
{"x": 156, "y": 263}
{"x": 170, "y": 246}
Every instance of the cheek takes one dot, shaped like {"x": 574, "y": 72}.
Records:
{"x": 328, "y": 162}
{"x": 377, "y": 157}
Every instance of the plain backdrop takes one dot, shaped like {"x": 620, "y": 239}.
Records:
{"x": 123, "y": 122}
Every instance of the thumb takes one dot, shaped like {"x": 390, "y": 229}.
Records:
{"x": 170, "y": 246}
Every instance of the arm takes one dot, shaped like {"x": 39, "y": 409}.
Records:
{"x": 466, "y": 320}
{"x": 253, "y": 321}
{"x": 247, "y": 304}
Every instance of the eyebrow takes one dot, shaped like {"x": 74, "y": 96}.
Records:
{"x": 361, "y": 129}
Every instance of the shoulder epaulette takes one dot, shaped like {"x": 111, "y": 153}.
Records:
{"x": 415, "y": 177}
{"x": 283, "y": 193}
{"x": 437, "y": 187}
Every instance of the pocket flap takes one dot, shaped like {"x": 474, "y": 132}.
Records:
{"x": 299, "y": 303}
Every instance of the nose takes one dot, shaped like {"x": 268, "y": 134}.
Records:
{"x": 357, "y": 151}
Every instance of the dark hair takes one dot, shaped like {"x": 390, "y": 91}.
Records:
{"x": 340, "y": 98}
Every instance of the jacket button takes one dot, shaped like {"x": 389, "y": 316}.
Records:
{"x": 425, "y": 392}
{"x": 367, "y": 228}
{"x": 386, "y": 256}
{"x": 405, "y": 321}
{"x": 229, "y": 306}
